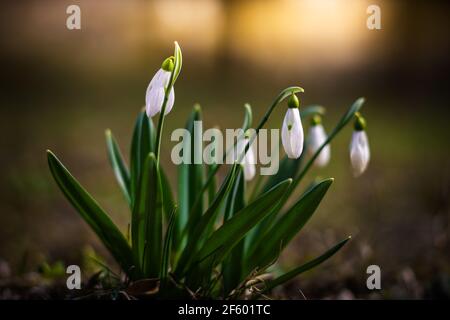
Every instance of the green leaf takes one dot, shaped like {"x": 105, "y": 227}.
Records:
{"x": 118, "y": 164}
{"x": 232, "y": 231}
{"x": 356, "y": 106}
{"x": 285, "y": 94}
{"x": 146, "y": 226}
{"x": 201, "y": 227}
{"x": 142, "y": 144}
{"x": 288, "y": 169}
{"x": 212, "y": 186}
{"x": 283, "y": 231}
{"x": 232, "y": 266}
{"x": 248, "y": 117}
{"x": 190, "y": 178}
{"x": 95, "y": 216}
{"x": 167, "y": 246}
{"x": 177, "y": 63}
{"x": 311, "y": 110}
{"x": 307, "y": 266}
{"x": 168, "y": 201}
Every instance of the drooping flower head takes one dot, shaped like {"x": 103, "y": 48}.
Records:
{"x": 292, "y": 130}
{"x": 154, "y": 97}
{"x": 317, "y": 137}
{"x": 359, "y": 147}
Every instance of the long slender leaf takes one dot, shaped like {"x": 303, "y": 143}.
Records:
{"x": 146, "y": 226}
{"x": 178, "y": 63}
{"x": 233, "y": 264}
{"x": 95, "y": 216}
{"x": 212, "y": 186}
{"x": 311, "y": 110}
{"x": 140, "y": 213}
{"x": 118, "y": 164}
{"x": 201, "y": 227}
{"x": 153, "y": 221}
{"x": 284, "y": 230}
{"x": 305, "y": 267}
{"x": 167, "y": 245}
{"x": 190, "y": 178}
{"x": 248, "y": 117}
{"x": 142, "y": 144}
{"x": 168, "y": 200}
{"x": 232, "y": 231}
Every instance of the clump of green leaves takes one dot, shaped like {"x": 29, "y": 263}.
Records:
{"x": 214, "y": 240}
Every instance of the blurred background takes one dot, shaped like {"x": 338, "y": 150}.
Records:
{"x": 60, "y": 89}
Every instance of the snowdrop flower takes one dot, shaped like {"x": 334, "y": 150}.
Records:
{"x": 359, "y": 147}
{"x": 317, "y": 137}
{"x": 154, "y": 97}
{"x": 292, "y": 130}
{"x": 248, "y": 161}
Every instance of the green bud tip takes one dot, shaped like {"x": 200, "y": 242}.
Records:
{"x": 197, "y": 107}
{"x": 360, "y": 122}
{"x": 168, "y": 64}
{"x": 293, "y": 101}
{"x": 316, "y": 119}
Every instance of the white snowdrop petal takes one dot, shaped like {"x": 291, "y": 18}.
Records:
{"x": 170, "y": 101}
{"x": 297, "y": 134}
{"x": 165, "y": 78}
{"x": 154, "y": 96}
{"x": 292, "y": 138}
{"x": 359, "y": 152}
{"x": 156, "y": 80}
{"x": 156, "y": 100}
{"x": 317, "y": 137}
{"x": 324, "y": 157}
{"x": 249, "y": 171}
{"x": 285, "y": 139}
{"x": 248, "y": 161}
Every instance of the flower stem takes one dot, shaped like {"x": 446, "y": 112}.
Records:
{"x": 283, "y": 95}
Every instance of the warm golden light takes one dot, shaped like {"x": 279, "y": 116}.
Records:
{"x": 301, "y": 32}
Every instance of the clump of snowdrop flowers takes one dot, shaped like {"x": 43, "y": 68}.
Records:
{"x": 359, "y": 147}
{"x": 317, "y": 137}
{"x": 187, "y": 255}
{"x": 154, "y": 97}
{"x": 292, "y": 130}
{"x": 248, "y": 161}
